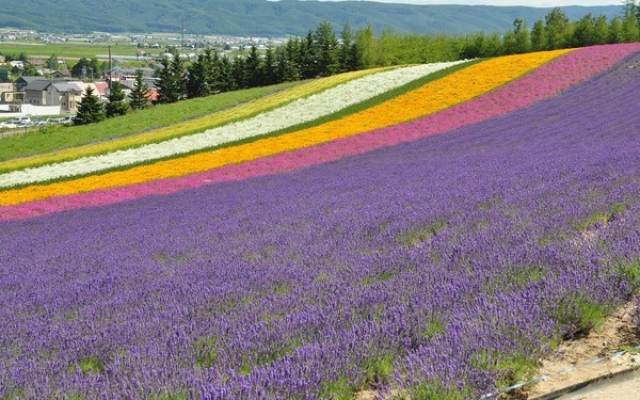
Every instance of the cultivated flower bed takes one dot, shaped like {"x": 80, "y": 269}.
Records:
{"x": 240, "y": 111}
{"x": 224, "y": 164}
{"x": 441, "y": 266}
{"x": 299, "y": 111}
{"x": 391, "y": 112}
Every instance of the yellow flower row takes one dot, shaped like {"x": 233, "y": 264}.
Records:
{"x": 196, "y": 125}
{"x": 458, "y": 87}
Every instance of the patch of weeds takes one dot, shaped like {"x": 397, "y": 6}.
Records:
{"x": 482, "y": 224}
{"x": 378, "y": 369}
{"x": 509, "y": 369}
{"x": 551, "y": 238}
{"x": 600, "y": 218}
{"x": 417, "y": 236}
{"x": 322, "y": 277}
{"x": 337, "y": 390}
{"x": 267, "y": 356}
{"x": 434, "y": 327}
{"x": 70, "y": 316}
{"x": 382, "y": 276}
{"x": 514, "y": 368}
{"x": 250, "y": 256}
{"x": 88, "y": 365}
{"x": 523, "y": 276}
{"x": 272, "y": 317}
{"x": 206, "y": 351}
{"x": 280, "y": 289}
{"x": 494, "y": 201}
{"x": 179, "y": 395}
{"x": 166, "y": 259}
{"x": 433, "y": 391}
{"x": 510, "y": 212}
{"x": 629, "y": 271}
{"x": 11, "y": 394}
{"x": 580, "y": 315}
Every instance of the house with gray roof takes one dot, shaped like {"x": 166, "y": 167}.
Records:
{"x": 67, "y": 95}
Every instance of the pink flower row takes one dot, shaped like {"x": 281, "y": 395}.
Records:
{"x": 543, "y": 82}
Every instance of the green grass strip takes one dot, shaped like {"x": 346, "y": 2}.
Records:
{"x": 151, "y": 125}
{"x": 389, "y": 95}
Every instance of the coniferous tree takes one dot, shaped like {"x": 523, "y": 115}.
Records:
{"x": 227, "y": 81}
{"x": 171, "y": 83}
{"x": 239, "y": 73}
{"x": 166, "y": 84}
{"x": 288, "y": 70}
{"x": 212, "y": 70}
{"x": 268, "y": 69}
{"x": 308, "y": 57}
{"x": 348, "y": 51}
{"x": 117, "y": 104}
{"x": 90, "y": 109}
{"x": 139, "y": 96}
{"x": 197, "y": 83}
{"x": 252, "y": 67}
{"x": 326, "y": 50}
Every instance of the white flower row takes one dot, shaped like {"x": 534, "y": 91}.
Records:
{"x": 299, "y": 111}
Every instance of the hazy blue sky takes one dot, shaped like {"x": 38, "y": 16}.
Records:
{"x": 530, "y": 3}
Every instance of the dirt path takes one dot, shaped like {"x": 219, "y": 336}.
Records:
{"x": 595, "y": 356}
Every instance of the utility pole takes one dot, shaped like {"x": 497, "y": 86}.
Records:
{"x": 110, "y": 77}
{"x": 182, "y": 34}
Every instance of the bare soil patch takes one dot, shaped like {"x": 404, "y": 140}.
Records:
{"x": 593, "y": 356}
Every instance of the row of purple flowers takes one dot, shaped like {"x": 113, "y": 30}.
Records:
{"x": 436, "y": 266}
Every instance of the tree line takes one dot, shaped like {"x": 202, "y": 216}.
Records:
{"x": 323, "y": 53}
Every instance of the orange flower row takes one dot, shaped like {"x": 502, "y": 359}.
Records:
{"x": 453, "y": 89}
{"x": 196, "y": 125}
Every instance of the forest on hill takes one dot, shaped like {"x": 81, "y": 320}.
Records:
{"x": 266, "y": 18}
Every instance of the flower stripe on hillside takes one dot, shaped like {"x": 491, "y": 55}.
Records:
{"x": 447, "y": 265}
{"x": 386, "y": 114}
{"x": 299, "y": 111}
{"x": 200, "y": 124}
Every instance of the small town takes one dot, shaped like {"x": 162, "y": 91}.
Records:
{"x": 36, "y": 91}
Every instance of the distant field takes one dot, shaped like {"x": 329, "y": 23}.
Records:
{"x": 66, "y": 50}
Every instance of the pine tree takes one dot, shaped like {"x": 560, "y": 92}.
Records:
{"x": 239, "y": 73}
{"x": 268, "y": 69}
{"x": 326, "y": 50}
{"x": 171, "y": 83}
{"x": 252, "y": 67}
{"x": 227, "y": 80}
{"x": 117, "y": 104}
{"x": 139, "y": 96}
{"x": 197, "y": 85}
{"x": 90, "y": 109}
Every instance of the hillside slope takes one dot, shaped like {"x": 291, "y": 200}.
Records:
{"x": 266, "y": 18}
{"x": 443, "y": 264}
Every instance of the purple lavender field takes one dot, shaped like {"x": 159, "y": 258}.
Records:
{"x": 439, "y": 269}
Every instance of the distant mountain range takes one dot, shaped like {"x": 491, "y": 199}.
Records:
{"x": 266, "y": 18}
